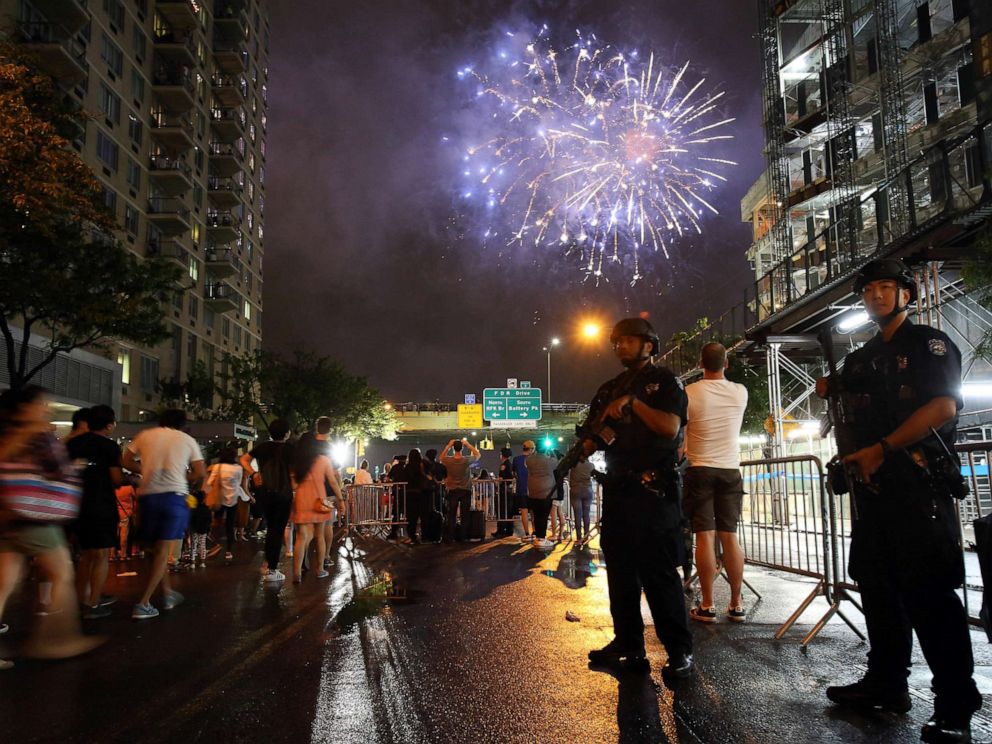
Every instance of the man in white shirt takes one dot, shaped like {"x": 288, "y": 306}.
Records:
{"x": 713, "y": 486}
{"x": 170, "y": 463}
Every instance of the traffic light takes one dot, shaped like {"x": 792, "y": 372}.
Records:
{"x": 548, "y": 444}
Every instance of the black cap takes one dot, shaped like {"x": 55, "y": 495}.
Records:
{"x": 885, "y": 268}
{"x": 636, "y": 327}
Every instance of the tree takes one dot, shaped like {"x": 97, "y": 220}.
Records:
{"x": 195, "y": 393}
{"x": 61, "y": 272}
{"x": 977, "y": 273}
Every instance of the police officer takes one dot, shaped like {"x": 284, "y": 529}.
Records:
{"x": 639, "y": 415}
{"x": 899, "y": 387}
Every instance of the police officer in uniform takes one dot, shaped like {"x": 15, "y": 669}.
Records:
{"x": 640, "y": 415}
{"x": 899, "y": 387}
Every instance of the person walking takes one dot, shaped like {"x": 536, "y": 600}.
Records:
{"x": 225, "y": 485}
{"x": 269, "y": 464}
{"x": 713, "y": 486}
{"x": 902, "y": 393}
{"x": 169, "y": 462}
{"x": 541, "y": 487}
{"x": 639, "y": 416}
{"x": 96, "y": 526}
{"x": 313, "y": 473}
{"x": 28, "y": 449}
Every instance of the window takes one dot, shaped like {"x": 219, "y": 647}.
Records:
{"x": 198, "y": 159}
{"x": 115, "y": 13}
{"x": 137, "y": 85}
{"x": 251, "y": 132}
{"x": 177, "y": 300}
{"x": 251, "y": 200}
{"x": 195, "y": 233}
{"x": 208, "y": 318}
{"x": 110, "y": 200}
{"x": 237, "y": 335}
{"x": 198, "y": 196}
{"x": 140, "y": 42}
{"x": 106, "y": 150}
{"x": 110, "y": 104}
{"x": 251, "y": 217}
{"x": 250, "y": 251}
{"x": 225, "y": 327}
{"x": 192, "y": 344}
{"x": 194, "y": 308}
{"x": 130, "y": 219}
{"x": 194, "y": 270}
{"x": 133, "y": 174}
{"x": 261, "y": 175}
{"x": 247, "y": 342}
{"x": 112, "y": 55}
{"x": 134, "y": 128}
{"x": 247, "y": 312}
{"x": 124, "y": 359}
{"x": 260, "y": 235}
{"x": 149, "y": 374}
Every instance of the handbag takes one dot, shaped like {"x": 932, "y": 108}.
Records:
{"x": 321, "y": 505}
{"x": 28, "y": 495}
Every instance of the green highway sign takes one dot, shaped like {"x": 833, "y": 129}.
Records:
{"x": 511, "y": 404}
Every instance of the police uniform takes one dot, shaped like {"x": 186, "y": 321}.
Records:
{"x": 905, "y": 554}
{"x": 641, "y": 525}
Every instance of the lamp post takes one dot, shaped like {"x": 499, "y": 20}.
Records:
{"x": 551, "y": 344}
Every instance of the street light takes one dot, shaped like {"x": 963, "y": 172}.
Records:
{"x": 590, "y": 330}
{"x": 551, "y": 344}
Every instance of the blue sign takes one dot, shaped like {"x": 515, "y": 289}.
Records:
{"x": 470, "y": 399}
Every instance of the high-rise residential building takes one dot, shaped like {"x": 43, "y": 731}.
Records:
{"x": 177, "y": 96}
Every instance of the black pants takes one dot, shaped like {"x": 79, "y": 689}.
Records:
{"x": 230, "y": 517}
{"x": 539, "y": 509}
{"x": 458, "y": 497}
{"x": 417, "y": 508}
{"x": 276, "y": 518}
{"x": 907, "y": 563}
{"x": 641, "y": 544}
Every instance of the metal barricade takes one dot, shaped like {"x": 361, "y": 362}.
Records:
{"x": 375, "y": 509}
{"x": 975, "y": 460}
{"x": 786, "y": 525}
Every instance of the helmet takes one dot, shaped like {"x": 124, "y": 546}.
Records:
{"x": 885, "y": 268}
{"x": 636, "y": 327}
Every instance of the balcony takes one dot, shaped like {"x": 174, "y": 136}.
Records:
{"x": 170, "y": 175}
{"x": 169, "y": 250}
{"x": 176, "y": 48}
{"x": 222, "y": 227}
{"x": 230, "y": 19}
{"x": 71, "y": 14}
{"x": 222, "y": 262}
{"x": 221, "y": 297}
{"x": 228, "y": 123}
{"x": 57, "y": 52}
{"x": 224, "y": 192}
{"x": 169, "y": 214}
{"x": 180, "y": 14}
{"x": 225, "y": 159}
{"x": 174, "y": 87}
{"x": 172, "y": 131}
{"x": 230, "y": 57}
{"x": 229, "y": 90}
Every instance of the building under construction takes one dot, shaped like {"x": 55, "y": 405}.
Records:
{"x": 878, "y": 122}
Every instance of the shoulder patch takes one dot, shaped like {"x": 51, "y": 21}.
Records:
{"x": 651, "y": 388}
{"x": 937, "y": 347}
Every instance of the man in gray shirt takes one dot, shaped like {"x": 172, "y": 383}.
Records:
{"x": 458, "y": 482}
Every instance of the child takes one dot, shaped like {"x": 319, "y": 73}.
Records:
{"x": 199, "y": 528}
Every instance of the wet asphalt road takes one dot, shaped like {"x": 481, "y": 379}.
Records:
{"x": 473, "y": 647}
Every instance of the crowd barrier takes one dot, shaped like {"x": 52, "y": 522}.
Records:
{"x": 975, "y": 460}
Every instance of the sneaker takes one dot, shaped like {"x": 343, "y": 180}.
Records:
{"x": 276, "y": 575}
{"x": 679, "y": 666}
{"x": 95, "y": 613}
{"x": 542, "y": 543}
{"x": 106, "y": 600}
{"x": 143, "y": 612}
{"x": 613, "y": 654}
{"x": 703, "y": 614}
{"x": 229, "y": 556}
{"x": 867, "y": 695}
{"x": 203, "y": 564}
{"x": 172, "y": 600}
{"x": 4, "y": 628}
{"x": 944, "y": 730}
{"x": 322, "y": 574}
{"x": 736, "y": 614}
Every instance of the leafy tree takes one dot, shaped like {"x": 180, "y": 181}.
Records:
{"x": 60, "y": 271}
{"x": 239, "y": 387}
{"x": 195, "y": 393}
{"x": 977, "y": 273}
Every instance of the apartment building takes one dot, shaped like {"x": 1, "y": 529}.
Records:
{"x": 176, "y": 92}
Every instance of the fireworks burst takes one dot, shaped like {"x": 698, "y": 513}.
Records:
{"x": 590, "y": 149}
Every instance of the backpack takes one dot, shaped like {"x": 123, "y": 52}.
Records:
{"x": 275, "y": 475}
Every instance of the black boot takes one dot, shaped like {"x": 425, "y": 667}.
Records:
{"x": 939, "y": 730}
{"x": 867, "y": 695}
{"x": 679, "y": 666}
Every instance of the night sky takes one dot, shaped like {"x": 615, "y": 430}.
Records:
{"x": 367, "y": 258}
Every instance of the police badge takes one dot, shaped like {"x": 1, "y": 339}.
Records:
{"x": 937, "y": 347}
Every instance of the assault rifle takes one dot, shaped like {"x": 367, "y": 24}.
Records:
{"x": 841, "y": 419}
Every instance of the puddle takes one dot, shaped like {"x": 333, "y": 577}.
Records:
{"x": 382, "y": 592}
{"x": 575, "y": 568}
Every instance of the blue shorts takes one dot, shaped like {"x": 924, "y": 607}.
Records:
{"x": 162, "y": 516}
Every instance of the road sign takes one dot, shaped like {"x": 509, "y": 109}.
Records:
{"x": 469, "y": 416}
{"x": 525, "y": 383}
{"x": 470, "y": 399}
{"x": 511, "y": 404}
{"x": 511, "y": 382}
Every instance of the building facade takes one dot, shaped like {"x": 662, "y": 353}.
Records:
{"x": 175, "y": 93}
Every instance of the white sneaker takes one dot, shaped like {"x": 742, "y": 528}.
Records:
{"x": 276, "y": 575}
{"x": 543, "y": 543}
